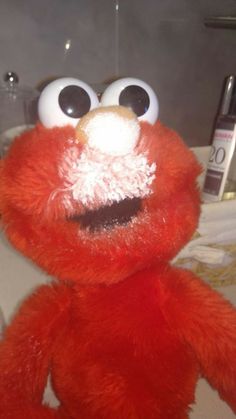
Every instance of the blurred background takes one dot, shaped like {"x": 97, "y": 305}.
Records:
{"x": 164, "y": 42}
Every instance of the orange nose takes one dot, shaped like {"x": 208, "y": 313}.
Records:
{"x": 111, "y": 129}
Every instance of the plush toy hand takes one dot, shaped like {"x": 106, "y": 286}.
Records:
{"x": 208, "y": 324}
{"x": 25, "y": 355}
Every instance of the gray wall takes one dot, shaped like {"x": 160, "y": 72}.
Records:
{"x": 161, "y": 41}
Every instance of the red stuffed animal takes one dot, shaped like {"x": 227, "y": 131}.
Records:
{"x": 102, "y": 197}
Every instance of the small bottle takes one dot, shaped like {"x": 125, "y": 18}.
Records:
{"x": 220, "y": 179}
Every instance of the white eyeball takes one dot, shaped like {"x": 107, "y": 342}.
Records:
{"x": 134, "y": 94}
{"x": 65, "y": 101}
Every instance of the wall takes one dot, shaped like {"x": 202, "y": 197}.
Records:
{"x": 162, "y": 41}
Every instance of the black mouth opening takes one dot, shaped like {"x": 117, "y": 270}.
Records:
{"x": 118, "y": 213}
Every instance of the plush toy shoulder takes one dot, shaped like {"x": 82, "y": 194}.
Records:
{"x": 43, "y": 312}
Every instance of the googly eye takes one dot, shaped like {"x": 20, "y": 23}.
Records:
{"x": 134, "y": 94}
{"x": 65, "y": 101}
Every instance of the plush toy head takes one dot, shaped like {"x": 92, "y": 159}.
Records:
{"x": 97, "y": 191}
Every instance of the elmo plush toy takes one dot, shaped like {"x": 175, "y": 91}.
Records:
{"x": 102, "y": 197}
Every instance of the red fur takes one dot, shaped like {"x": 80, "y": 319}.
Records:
{"x": 123, "y": 333}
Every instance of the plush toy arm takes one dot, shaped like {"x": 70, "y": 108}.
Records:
{"x": 208, "y": 323}
{"x": 26, "y": 351}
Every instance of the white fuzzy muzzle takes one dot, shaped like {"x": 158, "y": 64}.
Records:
{"x": 95, "y": 179}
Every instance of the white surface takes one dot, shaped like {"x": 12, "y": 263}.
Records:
{"x": 17, "y": 279}
{"x": 202, "y": 154}
{"x": 217, "y": 225}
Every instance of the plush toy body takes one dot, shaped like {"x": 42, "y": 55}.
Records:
{"x": 104, "y": 206}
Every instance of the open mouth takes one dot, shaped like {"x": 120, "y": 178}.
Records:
{"x": 110, "y": 216}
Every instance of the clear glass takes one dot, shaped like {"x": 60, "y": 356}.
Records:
{"x": 18, "y": 112}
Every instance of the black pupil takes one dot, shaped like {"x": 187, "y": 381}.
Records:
{"x": 74, "y": 101}
{"x": 135, "y": 98}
